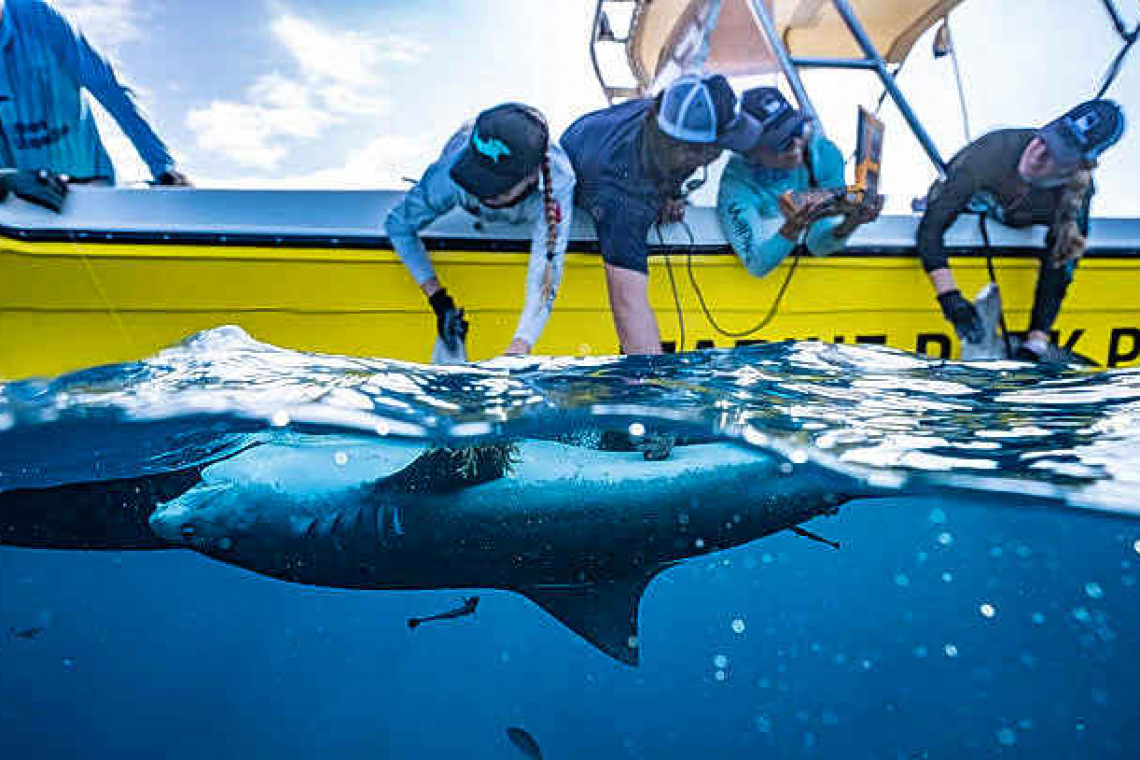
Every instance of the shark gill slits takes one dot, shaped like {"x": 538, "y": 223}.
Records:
{"x": 225, "y": 543}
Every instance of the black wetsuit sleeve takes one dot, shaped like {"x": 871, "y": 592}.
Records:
{"x": 947, "y": 200}
{"x": 1052, "y": 280}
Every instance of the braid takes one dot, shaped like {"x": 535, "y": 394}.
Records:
{"x": 553, "y": 214}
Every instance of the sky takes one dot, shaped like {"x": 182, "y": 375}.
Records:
{"x": 364, "y": 93}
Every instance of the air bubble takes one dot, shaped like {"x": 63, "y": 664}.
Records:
{"x": 738, "y": 626}
{"x": 637, "y": 430}
{"x": 1094, "y": 590}
{"x": 280, "y": 418}
{"x": 987, "y": 610}
{"x": 340, "y": 458}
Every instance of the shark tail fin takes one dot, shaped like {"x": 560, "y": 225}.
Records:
{"x": 604, "y": 614}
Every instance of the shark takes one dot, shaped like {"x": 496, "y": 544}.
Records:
{"x": 578, "y": 531}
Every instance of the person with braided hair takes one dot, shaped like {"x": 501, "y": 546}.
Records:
{"x": 1022, "y": 177}
{"x": 502, "y": 167}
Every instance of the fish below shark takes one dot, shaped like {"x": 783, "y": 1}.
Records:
{"x": 579, "y": 531}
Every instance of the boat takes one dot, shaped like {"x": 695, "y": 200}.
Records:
{"x": 124, "y": 273}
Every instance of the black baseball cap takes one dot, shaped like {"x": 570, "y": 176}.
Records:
{"x": 1083, "y": 133}
{"x": 507, "y": 145}
{"x": 780, "y": 121}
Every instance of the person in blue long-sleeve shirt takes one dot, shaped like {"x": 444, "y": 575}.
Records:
{"x": 45, "y": 125}
{"x": 786, "y": 158}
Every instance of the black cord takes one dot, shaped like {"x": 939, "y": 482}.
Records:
{"x": 993, "y": 278}
{"x": 772, "y": 311}
{"x": 673, "y": 285}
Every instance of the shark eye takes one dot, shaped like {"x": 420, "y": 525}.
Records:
{"x": 188, "y": 530}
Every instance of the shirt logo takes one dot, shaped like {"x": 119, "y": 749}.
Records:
{"x": 493, "y": 148}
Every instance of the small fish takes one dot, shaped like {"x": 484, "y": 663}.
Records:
{"x": 29, "y": 634}
{"x": 525, "y": 742}
{"x": 467, "y": 608}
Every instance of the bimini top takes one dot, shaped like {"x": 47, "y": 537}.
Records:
{"x": 673, "y": 31}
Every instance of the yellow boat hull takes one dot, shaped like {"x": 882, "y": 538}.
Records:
{"x": 70, "y": 305}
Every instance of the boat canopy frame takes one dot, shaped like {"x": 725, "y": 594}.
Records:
{"x": 872, "y": 60}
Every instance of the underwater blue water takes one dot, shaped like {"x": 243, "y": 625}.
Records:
{"x": 986, "y": 605}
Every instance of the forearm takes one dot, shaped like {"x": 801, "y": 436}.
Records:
{"x": 760, "y": 242}
{"x": 943, "y": 281}
{"x": 633, "y": 317}
{"x": 539, "y": 301}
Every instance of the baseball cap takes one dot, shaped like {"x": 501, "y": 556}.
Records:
{"x": 778, "y": 120}
{"x": 705, "y": 110}
{"x": 507, "y": 145}
{"x": 1083, "y": 133}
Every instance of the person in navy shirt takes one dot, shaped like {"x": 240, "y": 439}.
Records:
{"x": 630, "y": 163}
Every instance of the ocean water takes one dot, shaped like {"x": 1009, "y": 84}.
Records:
{"x": 983, "y": 600}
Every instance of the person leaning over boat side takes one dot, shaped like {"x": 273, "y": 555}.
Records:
{"x": 630, "y": 161}
{"x": 787, "y": 157}
{"x": 45, "y": 125}
{"x": 500, "y": 168}
{"x": 1022, "y": 177}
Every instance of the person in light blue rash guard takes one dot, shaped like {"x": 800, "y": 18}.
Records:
{"x": 45, "y": 125}
{"x": 786, "y": 158}
{"x": 500, "y": 168}
{"x": 631, "y": 161}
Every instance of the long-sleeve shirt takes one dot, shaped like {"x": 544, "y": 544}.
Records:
{"x": 748, "y": 205}
{"x": 436, "y": 194}
{"x": 984, "y": 175}
{"x": 44, "y": 121}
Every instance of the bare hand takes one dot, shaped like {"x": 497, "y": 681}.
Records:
{"x": 673, "y": 210}
{"x": 518, "y": 347}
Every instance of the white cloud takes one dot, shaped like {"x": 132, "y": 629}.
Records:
{"x": 339, "y": 76}
{"x": 108, "y": 24}
{"x": 382, "y": 163}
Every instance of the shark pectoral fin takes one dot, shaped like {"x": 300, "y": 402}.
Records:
{"x": 992, "y": 346}
{"x": 604, "y": 614}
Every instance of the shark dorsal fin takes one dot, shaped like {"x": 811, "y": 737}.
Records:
{"x": 443, "y": 470}
{"x": 604, "y": 614}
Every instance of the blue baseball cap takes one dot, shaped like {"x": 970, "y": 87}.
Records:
{"x": 778, "y": 120}
{"x": 1084, "y": 133}
{"x": 507, "y": 145}
{"x": 705, "y": 110}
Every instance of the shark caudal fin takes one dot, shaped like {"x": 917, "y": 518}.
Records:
{"x": 992, "y": 345}
{"x": 604, "y": 614}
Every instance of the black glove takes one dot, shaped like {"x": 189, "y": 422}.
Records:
{"x": 962, "y": 315}
{"x": 38, "y": 186}
{"x": 449, "y": 321}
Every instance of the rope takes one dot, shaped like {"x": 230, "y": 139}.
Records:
{"x": 107, "y": 303}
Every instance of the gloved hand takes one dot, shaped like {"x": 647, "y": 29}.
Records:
{"x": 962, "y": 314}
{"x": 173, "y": 178}
{"x": 449, "y": 321}
{"x": 38, "y": 186}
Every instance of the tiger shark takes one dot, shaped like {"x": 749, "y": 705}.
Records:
{"x": 580, "y": 532}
